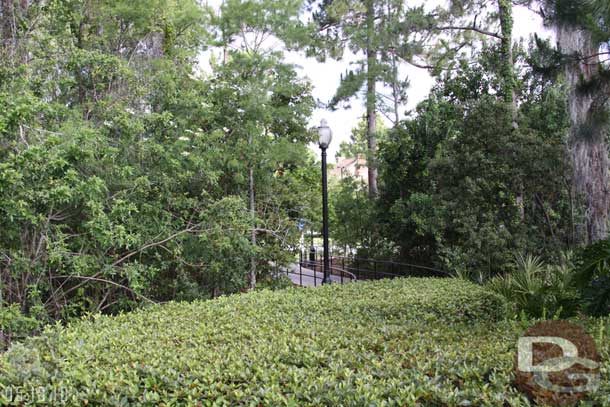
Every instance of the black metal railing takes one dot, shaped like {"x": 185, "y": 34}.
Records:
{"x": 309, "y": 270}
{"x": 372, "y": 269}
{"x": 314, "y": 270}
{"x": 311, "y": 274}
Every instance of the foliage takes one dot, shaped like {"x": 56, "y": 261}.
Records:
{"x": 460, "y": 186}
{"x": 123, "y": 172}
{"x": 593, "y": 277}
{"x": 357, "y": 145}
{"x": 538, "y": 289}
{"x": 576, "y": 283}
{"x": 395, "y": 342}
{"x": 255, "y": 22}
{"x": 354, "y": 223}
{"x": 377, "y": 32}
{"x": 479, "y": 164}
{"x": 183, "y": 353}
{"x": 275, "y": 281}
{"x": 14, "y": 324}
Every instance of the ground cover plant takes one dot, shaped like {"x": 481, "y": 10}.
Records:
{"x": 414, "y": 342}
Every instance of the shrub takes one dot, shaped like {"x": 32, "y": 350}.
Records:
{"x": 14, "y": 324}
{"x": 593, "y": 277}
{"x": 415, "y": 342}
{"x": 274, "y": 281}
{"x": 539, "y": 289}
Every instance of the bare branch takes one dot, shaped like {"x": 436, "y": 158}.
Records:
{"x": 418, "y": 65}
{"x": 153, "y": 244}
{"x": 468, "y": 28}
{"x": 102, "y": 280}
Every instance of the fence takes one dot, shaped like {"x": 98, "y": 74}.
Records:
{"x": 309, "y": 271}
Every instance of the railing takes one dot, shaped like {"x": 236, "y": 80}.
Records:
{"x": 370, "y": 269}
{"x": 309, "y": 272}
{"x": 312, "y": 273}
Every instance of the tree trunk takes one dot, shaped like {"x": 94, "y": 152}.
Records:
{"x": 13, "y": 14}
{"x": 253, "y": 236}
{"x": 395, "y": 91}
{"x": 587, "y": 146}
{"x": 509, "y": 81}
{"x": 371, "y": 99}
{"x": 508, "y": 70}
{"x": 371, "y": 117}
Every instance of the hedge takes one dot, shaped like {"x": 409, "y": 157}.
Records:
{"x": 403, "y": 342}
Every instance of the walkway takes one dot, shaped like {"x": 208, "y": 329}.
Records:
{"x": 309, "y": 274}
{"x": 309, "y": 278}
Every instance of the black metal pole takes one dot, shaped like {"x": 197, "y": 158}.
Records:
{"x": 326, "y": 279}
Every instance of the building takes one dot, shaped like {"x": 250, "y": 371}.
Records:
{"x": 354, "y": 167}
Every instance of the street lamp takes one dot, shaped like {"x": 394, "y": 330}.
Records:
{"x": 326, "y": 135}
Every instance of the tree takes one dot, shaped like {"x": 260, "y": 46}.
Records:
{"x": 246, "y": 26}
{"x": 16, "y": 25}
{"x": 369, "y": 28}
{"x": 263, "y": 107}
{"x": 582, "y": 28}
{"x": 358, "y": 140}
{"x": 451, "y": 175}
{"x": 124, "y": 176}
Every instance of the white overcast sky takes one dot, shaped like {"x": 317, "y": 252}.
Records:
{"x": 325, "y": 79}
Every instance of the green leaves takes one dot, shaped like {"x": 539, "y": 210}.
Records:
{"x": 392, "y": 342}
{"x": 238, "y": 18}
{"x": 593, "y": 277}
{"x": 351, "y": 84}
{"x": 537, "y": 289}
{"x": 461, "y": 186}
{"x": 124, "y": 169}
{"x": 389, "y": 342}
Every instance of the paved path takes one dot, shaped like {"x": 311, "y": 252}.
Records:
{"x": 308, "y": 278}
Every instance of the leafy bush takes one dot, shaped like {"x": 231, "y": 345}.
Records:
{"x": 539, "y": 289}
{"x": 274, "y": 281}
{"x": 396, "y": 342}
{"x": 124, "y": 177}
{"x": 14, "y": 324}
{"x": 593, "y": 277}
{"x": 461, "y": 189}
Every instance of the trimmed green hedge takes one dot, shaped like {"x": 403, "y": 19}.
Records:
{"x": 415, "y": 342}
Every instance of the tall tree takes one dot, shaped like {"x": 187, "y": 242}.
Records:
{"x": 371, "y": 30}
{"x": 451, "y": 174}
{"x": 583, "y": 36}
{"x": 470, "y": 23}
{"x": 371, "y": 96}
{"x": 358, "y": 144}
{"x": 473, "y": 22}
{"x": 274, "y": 103}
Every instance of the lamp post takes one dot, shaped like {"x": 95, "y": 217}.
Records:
{"x": 326, "y": 136}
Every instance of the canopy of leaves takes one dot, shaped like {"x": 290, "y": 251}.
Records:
{"x": 123, "y": 173}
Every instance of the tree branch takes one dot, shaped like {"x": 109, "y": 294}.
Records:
{"x": 152, "y": 244}
{"x": 101, "y": 280}
{"x": 468, "y": 28}
{"x": 418, "y": 65}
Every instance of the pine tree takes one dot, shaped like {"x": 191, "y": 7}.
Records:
{"x": 374, "y": 30}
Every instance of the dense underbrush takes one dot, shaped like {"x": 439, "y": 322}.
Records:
{"x": 415, "y": 342}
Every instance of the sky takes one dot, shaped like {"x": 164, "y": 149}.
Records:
{"x": 325, "y": 77}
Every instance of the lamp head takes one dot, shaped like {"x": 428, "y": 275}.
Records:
{"x": 325, "y": 133}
